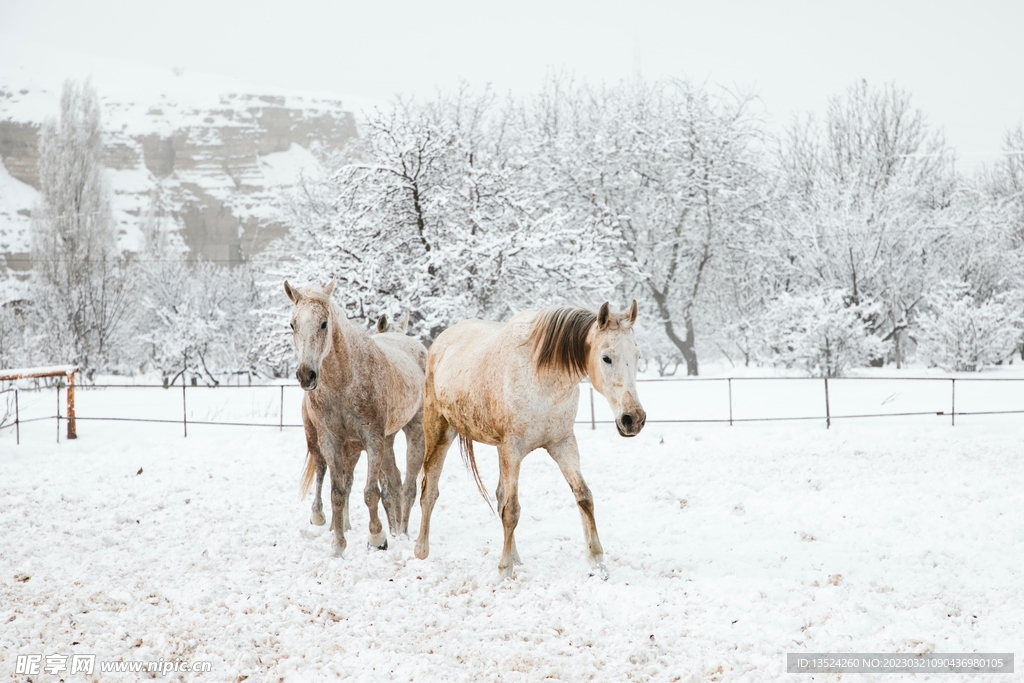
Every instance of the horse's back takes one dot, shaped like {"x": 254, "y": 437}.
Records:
{"x": 464, "y": 349}
{"x": 407, "y": 360}
{"x": 481, "y": 377}
{"x": 395, "y": 343}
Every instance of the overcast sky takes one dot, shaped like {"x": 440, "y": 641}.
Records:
{"x": 961, "y": 61}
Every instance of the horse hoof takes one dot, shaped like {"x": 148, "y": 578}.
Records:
{"x": 338, "y": 550}
{"x": 601, "y": 571}
{"x": 421, "y": 551}
{"x": 378, "y": 541}
{"x": 504, "y": 572}
{"x": 317, "y": 519}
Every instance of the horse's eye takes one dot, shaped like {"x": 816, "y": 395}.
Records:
{"x": 292, "y": 326}
{"x": 606, "y": 359}
{"x": 323, "y": 325}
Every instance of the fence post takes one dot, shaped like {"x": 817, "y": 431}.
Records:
{"x": 952, "y": 411}
{"x": 280, "y": 426}
{"x": 58, "y": 411}
{"x": 730, "y": 401}
{"x": 184, "y": 408}
{"x": 828, "y": 412}
{"x": 17, "y": 419}
{"x": 72, "y": 427}
{"x": 593, "y": 423}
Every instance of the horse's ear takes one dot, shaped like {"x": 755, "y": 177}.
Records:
{"x": 292, "y": 292}
{"x": 382, "y": 323}
{"x": 403, "y": 324}
{"x": 630, "y": 316}
{"x": 329, "y": 288}
{"x": 603, "y": 316}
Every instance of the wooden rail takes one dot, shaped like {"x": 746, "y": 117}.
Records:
{"x": 68, "y": 371}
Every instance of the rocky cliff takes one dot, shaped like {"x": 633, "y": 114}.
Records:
{"x": 215, "y": 171}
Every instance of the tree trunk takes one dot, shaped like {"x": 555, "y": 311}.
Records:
{"x": 685, "y": 345}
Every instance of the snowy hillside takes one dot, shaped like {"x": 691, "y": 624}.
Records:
{"x": 209, "y": 156}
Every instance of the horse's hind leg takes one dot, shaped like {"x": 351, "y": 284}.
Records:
{"x": 567, "y": 455}
{"x": 499, "y": 494}
{"x": 438, "y": 436}
{"x": 390, "y": 480}
{"x": 413, "y": 464}
{"x": 509, "y": 460}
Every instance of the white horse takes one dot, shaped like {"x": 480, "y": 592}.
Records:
{"x": 360, "y": 390}
{"x": 516, "y": 386}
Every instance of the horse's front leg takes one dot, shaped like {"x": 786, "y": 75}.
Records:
{"x": 316, "y": 515}
{"x": 567, "y": 455}
{"x": 377, "y": 470}
{"x": 333, "y": 450}
{"x": 317, "y": 463}
{"x": 352, "y": 451}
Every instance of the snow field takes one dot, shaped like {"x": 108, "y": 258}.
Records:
{"x": 728, "y": 547}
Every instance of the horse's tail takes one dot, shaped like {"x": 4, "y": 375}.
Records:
{"x": 466, "y": 447}
{"x": 308, "y": 475}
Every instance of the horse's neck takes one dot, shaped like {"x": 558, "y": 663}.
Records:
{"x": 348, "y": 346}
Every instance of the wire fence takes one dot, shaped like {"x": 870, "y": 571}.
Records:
{"x": 942, "y": 404}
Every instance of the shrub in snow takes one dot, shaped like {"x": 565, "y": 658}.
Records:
{"x": 959, "y": 334}
{"x": 823, "y": 333}
{"x": 192, "y": 318}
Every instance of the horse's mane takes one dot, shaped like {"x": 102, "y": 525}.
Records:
{"x": 317, "y": 294}
{"x": 559, "y": 339}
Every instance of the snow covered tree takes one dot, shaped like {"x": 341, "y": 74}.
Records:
{"x": 80, "y": 280}
{"x": 824, "y": 333}
{"x": 1006, "y": 181}
{"x": 674, "y": 173}
{"x": 429, "y": 212}
{"x": 868, "y": 199}
{"x": 958, "y": 333}
{"x": 194, "y": 318}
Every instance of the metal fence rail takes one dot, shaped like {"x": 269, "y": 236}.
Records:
{"x": 827, "y": 416}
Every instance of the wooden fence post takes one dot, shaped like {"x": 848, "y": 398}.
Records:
{"x": 17, "y": 419}
{"x": 72, "y": 427}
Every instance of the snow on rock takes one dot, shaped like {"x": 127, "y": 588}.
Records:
{"x": 17, "y": 199}
{"x": 208, "y": 156}
{"x": 874, "y": 536}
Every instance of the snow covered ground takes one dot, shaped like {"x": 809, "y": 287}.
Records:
{"x": 728, "y": 546}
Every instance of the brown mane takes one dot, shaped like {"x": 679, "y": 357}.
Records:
{"x": 559, "y": 339}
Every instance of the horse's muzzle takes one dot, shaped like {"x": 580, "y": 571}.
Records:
{"x": 307, "y": 377}
{"x": 630, "y": 424}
